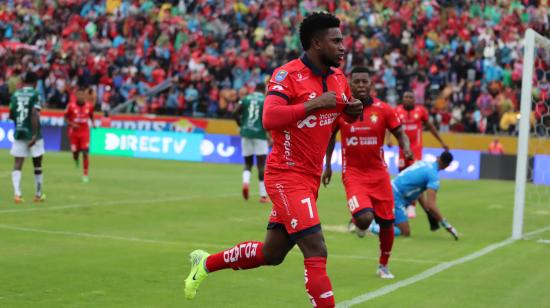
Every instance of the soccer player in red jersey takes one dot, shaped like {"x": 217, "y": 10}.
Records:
{"x": 305, "y": 97}
{"x": 364, "y": 171}
{"x": 414, "y": 117}
{"x": 77, "y": 116}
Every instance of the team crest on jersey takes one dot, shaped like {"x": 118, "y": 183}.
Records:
{"x": 281, "y": 75}
{"x": 374, "y": 118}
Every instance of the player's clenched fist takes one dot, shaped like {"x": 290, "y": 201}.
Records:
{"x": 327, "y": 100}
{"x": 354, "y": 108}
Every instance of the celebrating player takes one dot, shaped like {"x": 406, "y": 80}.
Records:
{"x": 410, "y": 185}
{"x": 305, "y": 97}
{"x": 254, "y": 138}
{"x": 365, "y": 174}
{"x": 414, "y": 117}
{"x": 25, "y": 112}
{"x": 77, "y": 116}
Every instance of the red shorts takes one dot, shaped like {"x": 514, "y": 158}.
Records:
{"x": 405, "y": 163}
{"x": 294, "y": 197}
{"x": 79, "y": 141}
{"x": 368, "y": 193}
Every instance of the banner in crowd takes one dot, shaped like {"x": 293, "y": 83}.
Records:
{"x": 132, "y": 122}
{"x": 51, "y": 135}
{"x": 466, "y": 164}
{"x": 146, "y": 144}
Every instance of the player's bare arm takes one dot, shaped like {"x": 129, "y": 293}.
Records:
{"x": 403, "y": 141}
{"x": 435, "y": 133}
{"x": 388, "y": 139}
{"x": 431, "y": 206}
{"x": 237, "y": 114}
{"x": 92, "y": 119}
{"x": 327, "y": 174}
{"x": 35, "y": 122}
{"x": 269, "y": 138}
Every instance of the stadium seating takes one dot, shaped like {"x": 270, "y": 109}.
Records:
{"x": 461, "y": 60}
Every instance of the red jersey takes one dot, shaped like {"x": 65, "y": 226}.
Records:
{"x": 413, "y": 122}
{"x": 80, "y": 115}
{"x": 301, "y": 146}
{"x": 362, "y": 141}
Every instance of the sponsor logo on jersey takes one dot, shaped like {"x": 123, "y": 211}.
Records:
{"x": 301, "y": 77}
{"x": 312, "y": 95}
{"x": 294, "y": 223}
{"x": 353, "y": 141}
{"x": 344, "y": 98}
{"x": 277, "y": 88}
{"x": 310, "y": 122}
{"x": 281, "y": 75}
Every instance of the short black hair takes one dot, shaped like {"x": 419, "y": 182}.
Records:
{"x": 313, "y": 24}
{"x": 260, "y": 87}
{"x": 30, "y": 78}
{"x": 446, "y": 157}
{"x": 359, "y": 69}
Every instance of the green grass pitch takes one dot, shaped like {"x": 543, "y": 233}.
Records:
{"x": 123, "y": 240}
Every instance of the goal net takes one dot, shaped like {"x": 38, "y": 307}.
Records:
{"x": 532, "y": 193}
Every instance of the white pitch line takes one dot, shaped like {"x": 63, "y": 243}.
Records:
{"x": 202, "y": 244}
{"x": 543, "y": 241}
{"x": 110, "y": 237}
{"x": 119, "y": 202}
{"x": 432, "y": 271}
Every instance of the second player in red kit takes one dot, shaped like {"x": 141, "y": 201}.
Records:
{"x": 305, "y": 97}
{"x": 364, "y": 171}
{"x": 414, "y": 117}
{"x": 78, "y": 116}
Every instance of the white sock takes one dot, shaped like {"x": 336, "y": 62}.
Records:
{"x": 246, "y": 176}
{"x": 16, "y": 181}
{"x": 38, "y": 181}
{"x": 263, "y": 192}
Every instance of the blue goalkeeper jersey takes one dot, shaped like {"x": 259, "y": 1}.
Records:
{"x": 414, "y": 180}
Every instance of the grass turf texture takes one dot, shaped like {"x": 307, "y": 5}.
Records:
{"x": 123, "y": 240}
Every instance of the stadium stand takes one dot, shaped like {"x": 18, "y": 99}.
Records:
{"x": 462, "y": 59}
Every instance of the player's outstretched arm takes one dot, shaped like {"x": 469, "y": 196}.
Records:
{"x": 403, "y": 141}
{"x": 436, "y": 213}
{"x": 92, "y": 118}
{"x": 435, "y": 133}
{"x": 327, "y": 174}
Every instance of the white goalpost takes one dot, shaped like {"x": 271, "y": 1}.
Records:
{"x": 533, "y": 41}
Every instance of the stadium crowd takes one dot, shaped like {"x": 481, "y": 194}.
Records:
{"x": 462, "y": 59}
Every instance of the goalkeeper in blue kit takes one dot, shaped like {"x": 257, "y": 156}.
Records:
{"x": 410, "y": 185}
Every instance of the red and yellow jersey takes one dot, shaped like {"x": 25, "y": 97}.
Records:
{"x": 362, "y": 141}
{"x": 79, "y": 114}
{"x": 301, "y": 146}
{"x": 413, "y": 122}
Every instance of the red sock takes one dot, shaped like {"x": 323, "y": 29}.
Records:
{"x": 243, "y": 256}
{"x": 386, "y": 243}
{"x": 86, "y": 164}
{"x": 318, "y": 285}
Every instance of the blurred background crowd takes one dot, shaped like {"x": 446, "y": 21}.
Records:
{"x": 462, "y": 59}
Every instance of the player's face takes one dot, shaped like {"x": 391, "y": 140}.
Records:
{"x": 331, "y": 47}
{"x": 408, "y": 99}
{"x": 360, "y": 85}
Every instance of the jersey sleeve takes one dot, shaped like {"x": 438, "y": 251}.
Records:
{"x": 433, "y": 180}
{"x": 280, "y": 85}
{"x": 392, "y": 121}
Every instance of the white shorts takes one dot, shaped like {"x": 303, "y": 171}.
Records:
{"x": 19, "y": 148}
{"x": 252, "y": 146}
